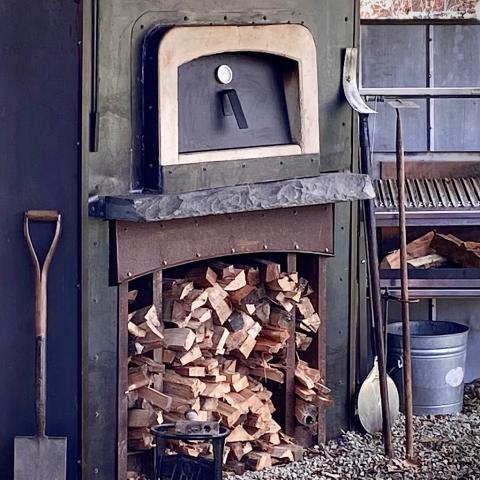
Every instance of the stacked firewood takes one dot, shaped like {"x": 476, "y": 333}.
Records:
{"x": 434, "y": 250}
{"x": 224, "y": 341}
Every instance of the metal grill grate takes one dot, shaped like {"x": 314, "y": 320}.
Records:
{"x": 430, "y": 193}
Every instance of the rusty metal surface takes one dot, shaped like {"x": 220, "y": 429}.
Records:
{"x": 407, "y": 356}
{"x": 141, "y": 248}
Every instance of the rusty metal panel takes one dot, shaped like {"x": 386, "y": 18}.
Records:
{"x": 144, "y": 247}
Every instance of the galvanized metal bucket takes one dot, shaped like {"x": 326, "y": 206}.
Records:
{"x": 439, "y": 352}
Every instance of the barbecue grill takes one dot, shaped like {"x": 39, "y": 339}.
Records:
{"x": 441, "y": 196}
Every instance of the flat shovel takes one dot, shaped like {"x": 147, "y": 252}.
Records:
{"x": 41, "y": 457}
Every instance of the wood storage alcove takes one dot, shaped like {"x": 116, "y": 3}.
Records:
{"x": 148, "y": 257}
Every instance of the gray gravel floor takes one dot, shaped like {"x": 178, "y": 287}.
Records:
{"x": 448, "y": 447}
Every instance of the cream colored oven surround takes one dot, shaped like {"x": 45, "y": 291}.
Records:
{"x": 181, "y": 45}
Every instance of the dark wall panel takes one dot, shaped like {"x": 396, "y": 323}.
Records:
{"x": 39, "y": 98}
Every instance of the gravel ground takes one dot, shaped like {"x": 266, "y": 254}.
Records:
{"x": 448, "y": 448}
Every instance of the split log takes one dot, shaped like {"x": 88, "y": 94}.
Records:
{"x": 240, "y": 449}
{"x": 280, "y": 318}
{"x": 268, "y": 373}
{"x": 215, "y": 390}
{"x": 238, "y": 434}
{"x": 311, "y": 323}
{"x": 138, "y": 379}
{"x": 456, "y": 250}
{"x": 302, "y": 341}
{"x": 258, "y": 461}
{"x": 305, "y": 375}
{"x": 285, "y": 283}
{"x": 234, "y": 280}
{"x": 194, "y": 371}
{"x": 217, "y": 301}
{"x": 230, "y": 415}
{"x": 179, "y": 289}
{"x": 420, "y": 247}
{"x": 181, "y": 339}
{"x": 192, "y": 386}
{"x": 269, "y": 271}
{"x": 193, "y": 354}
{"x": 141, "y": 417}
{"x": 202, "y": 277}
{"x": 282, "y": 452}
{"x": 220, "y": 338}
{"x": 305, "y": 308}
{"x": 156, "y": 398}
{"x": 132, "y": 295}
{"x": 428, "y": 261}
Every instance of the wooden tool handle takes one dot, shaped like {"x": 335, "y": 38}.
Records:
{"x": 42, "y": 215}
{"x": 41, "y": 277}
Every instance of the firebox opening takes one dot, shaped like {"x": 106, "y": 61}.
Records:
{"x": 238, "y": 340}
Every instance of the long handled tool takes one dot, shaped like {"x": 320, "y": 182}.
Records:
{"x": 41, "y": 457}
{"x": 399, "y": 105}
{"x": 356, "y": 102}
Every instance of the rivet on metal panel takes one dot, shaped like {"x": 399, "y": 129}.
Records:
{"x": 243, "y": 165}
{"x": 164, "y": 262}
{"x": 364, "y": 262}
{"x": 198, "y": 255}
{"x": 297, "y": 246}
{"x": 129, "y": 274}
{"x": 96, "y": 470}
{"x": 327, "y": 250}
{"x": 233, "y": 250}
{"x": 295, "y": 212}
{"x": 95, "y": 300}
{"x": 265, "y": 246}
{"x": 125, "y": 229}
{"x": 97, "y": 414}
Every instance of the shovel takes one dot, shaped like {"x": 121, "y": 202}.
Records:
{"x": 41, "y": 457}
{"x": 379, "y": 379}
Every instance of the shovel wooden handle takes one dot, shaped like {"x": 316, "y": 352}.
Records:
{"x": 41, "y": 278}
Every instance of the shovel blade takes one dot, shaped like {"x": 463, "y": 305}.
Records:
{"x": 40, "y": 458}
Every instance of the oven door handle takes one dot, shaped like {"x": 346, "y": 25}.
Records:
{"x": 231, "y": 106}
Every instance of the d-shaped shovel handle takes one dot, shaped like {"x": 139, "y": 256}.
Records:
{"x": 41, "y": 277}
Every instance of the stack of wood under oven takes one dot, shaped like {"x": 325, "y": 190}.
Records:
{"x": 220, "y": 348}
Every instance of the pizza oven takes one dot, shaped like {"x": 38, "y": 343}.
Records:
{"x": 230, "y": 161}
{"x": 228, "y": 94}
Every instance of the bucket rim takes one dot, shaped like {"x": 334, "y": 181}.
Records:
{"x": 465, "y": 329}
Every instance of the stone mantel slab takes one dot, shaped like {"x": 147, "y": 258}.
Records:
{"x": 324, "y": 189}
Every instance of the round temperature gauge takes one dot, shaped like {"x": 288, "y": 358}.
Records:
{"x": 224, "y": 74}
